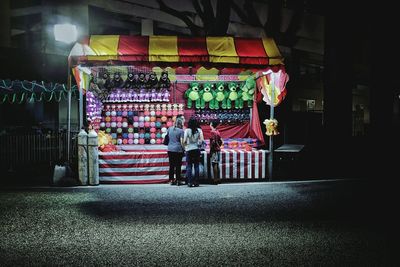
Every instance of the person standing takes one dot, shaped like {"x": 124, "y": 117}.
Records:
{"x": 215, "y": 150}
{"x": 193, "y": 136}
{"x": 175, "y": 151}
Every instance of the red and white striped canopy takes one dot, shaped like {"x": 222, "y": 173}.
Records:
{"x": 176, "y": 49}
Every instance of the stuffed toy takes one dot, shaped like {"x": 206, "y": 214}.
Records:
{"x": 164, "y": 109}
{"x": 152, "y": 82}
{"x": 129, "y": 81}
{"x": 271, "y": 127}
{"x": 165, "y": 95}
{"x": 94, "y": 88}
{"x": 147, "y": 96}
{"x": 159, "y": 96}
{"x": 146, "y": 80}
{"x": 220, "y": 97}
{"x": 181, "y": 111}
{"x": 142, "y": 95}
{"x": 158, "y": 110}
{"x": 153, "y": 95}
{"x": 233, "y": 95}
{"x": 207, "y": 95}
{"x": 164, "y": 82}
{"x": 107, "y": 83}
{"x": 192, "y": 94}
{"x": 135, "y": 82}
{"x": 141, "y": 80}
{"x": 169, "y": 110}
{"x": 175, "y": 109}
{"x": 117, "y": 81}
{"x": 248, "y": 92}
{"x": 104, "y": 139}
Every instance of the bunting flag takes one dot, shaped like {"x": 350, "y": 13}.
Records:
{"x": 82, "y": 78}
{"x": 279, "y": 79}
{"x": 231, "y": 50}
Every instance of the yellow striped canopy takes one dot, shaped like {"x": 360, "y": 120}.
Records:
{"x": 231, "y": 50}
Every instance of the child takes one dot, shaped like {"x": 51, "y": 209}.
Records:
{"x": 215, "y": 148}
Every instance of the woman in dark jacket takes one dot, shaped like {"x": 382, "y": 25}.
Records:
{"x": 175, "y": 151}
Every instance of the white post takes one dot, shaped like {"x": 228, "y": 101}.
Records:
{"x": 93, "y": 155}
{"x": 271, "y": 140}
{"x": 83, "y": 157}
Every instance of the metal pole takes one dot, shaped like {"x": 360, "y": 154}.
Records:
{"x": 271, "y": 140}
{"x": 69, "y": 114}
{"x": 80, "y": 108}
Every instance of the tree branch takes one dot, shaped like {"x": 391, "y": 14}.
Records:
{"x": 208, "y": 11}
{"x": 240, "y": 13}
{"x": 290, "y": 36}
{"x": 195, "y": 29}
{"x": 273, "y": 23}
{"x": 222, "y": 17}
{"x": 198, "y": 9}
{"x": 254, "y": 20}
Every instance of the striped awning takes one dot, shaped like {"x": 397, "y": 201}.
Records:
{"x": 176, "y": 49}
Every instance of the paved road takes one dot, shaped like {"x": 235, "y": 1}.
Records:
{"x": 334, "y": 223}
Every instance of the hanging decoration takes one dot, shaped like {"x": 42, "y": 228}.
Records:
{"x": 271, "y": 127}
{"x": 280, "y": 79}
{"x": 18, "y": 92}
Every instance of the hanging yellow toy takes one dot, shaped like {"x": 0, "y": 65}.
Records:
{"x": 271, "y": 126}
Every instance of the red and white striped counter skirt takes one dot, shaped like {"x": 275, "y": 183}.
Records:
{"x": 240, "y": 164}
{"x": 151, "y": 166}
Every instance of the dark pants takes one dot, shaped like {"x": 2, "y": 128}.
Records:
{"x": 175, "y": 164}
{"x": 193, "y": 160}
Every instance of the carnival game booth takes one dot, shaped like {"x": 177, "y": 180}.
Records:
{"x": 135, "y": 86}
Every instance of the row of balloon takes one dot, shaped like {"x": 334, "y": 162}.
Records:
{"x": 146, "y": 109}
{"x": 138, "y": 124}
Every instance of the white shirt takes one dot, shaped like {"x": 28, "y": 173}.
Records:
{"x": 192, "y": 141}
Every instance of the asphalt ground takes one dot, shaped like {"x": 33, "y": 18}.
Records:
{"x": 310, "y": 223}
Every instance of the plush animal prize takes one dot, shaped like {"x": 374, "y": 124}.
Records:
{"x": 164, "y": 82}
{"x": 207, "y": 95}
{"x": 234, "y": 95}
{"x": 117, "y": 81}
{"x": 152, "y": 81}
{"x": 220, "y": 97}
{"x": 271, "y": 127}
{"x": 193, "y": 95}
{"x": 129, "y": 81}
{"x": 248, "y": 92}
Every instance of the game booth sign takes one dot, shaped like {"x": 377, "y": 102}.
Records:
{"x": 135, "y": 86}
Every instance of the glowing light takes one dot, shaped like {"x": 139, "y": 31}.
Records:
{"x": 65, "y": 33}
